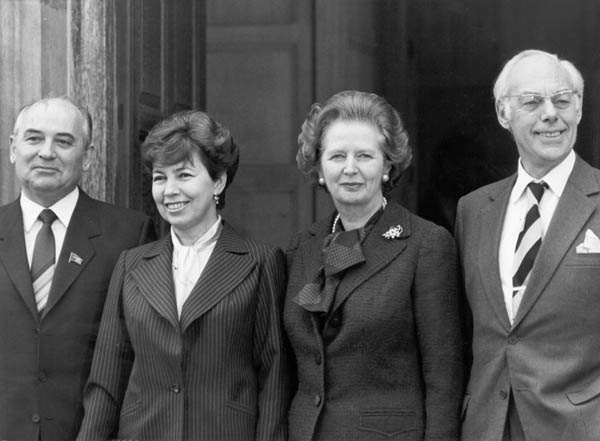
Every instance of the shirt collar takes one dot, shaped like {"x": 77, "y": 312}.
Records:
{"x": 556, "y": 178}
{"x": 207, "y": 238}
{"x": 63, "y": 209}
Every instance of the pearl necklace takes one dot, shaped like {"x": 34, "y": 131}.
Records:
{"x": 337, "y": 218}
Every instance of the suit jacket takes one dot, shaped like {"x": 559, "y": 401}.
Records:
{"x": 218, "y": 372}
{"x": 388, "y": 363}
{"x": 549, "y": 357}
{"x": 45, "y": 360}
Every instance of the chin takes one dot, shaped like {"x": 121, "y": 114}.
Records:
{"x": 355, "y": 202}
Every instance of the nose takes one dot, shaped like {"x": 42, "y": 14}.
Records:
{"x": 47, "y": 150}
{"x": 350, "y": 165}
{"x": 171, "y": 187}
{"x": 549, "y": 112}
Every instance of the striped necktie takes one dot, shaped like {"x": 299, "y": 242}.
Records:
{"x": 528, "y": 243}
{"x": 42, "y": 262}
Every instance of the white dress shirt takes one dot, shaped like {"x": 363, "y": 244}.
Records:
{"x": 515, "y": 217}
{"x": 31, "y": 224}
{"x": 190, "y": 261}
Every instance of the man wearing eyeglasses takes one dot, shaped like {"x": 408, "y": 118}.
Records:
{"x": 530, "y": 254}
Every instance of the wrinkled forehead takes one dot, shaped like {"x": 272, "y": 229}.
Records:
{"x": 538, "y": 74}
{"x": 53, "y": 115}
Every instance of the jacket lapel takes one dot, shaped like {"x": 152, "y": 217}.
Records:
{"x": 13, "y": 255}
{"x": 154, "y": 278}
{"x": 228, "y": 265}
{"x": 77, "y": 250}
{"x": 572, "y": 213}
{"x": 378, "y": 251}
{"x": 492, "y": 220}
{"x": 312, "y": 252}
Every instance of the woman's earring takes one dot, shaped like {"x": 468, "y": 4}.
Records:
{"x": 217, "y": 199}
{"x": 321, "y": 182}
{"x": 385, "y": 177}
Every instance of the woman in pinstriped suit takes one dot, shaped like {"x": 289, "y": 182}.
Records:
{"x": 190, "y": 345}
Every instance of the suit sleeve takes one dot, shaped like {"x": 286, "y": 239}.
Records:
{"x": 439, "y": 334}
{"x": 270, "y": 351}
{"x": 147, "y": 232}
{"x": 111, "y": 366}
{"x": 467, "y": 316}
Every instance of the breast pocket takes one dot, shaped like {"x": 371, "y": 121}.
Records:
{"x": 388, "y": 424}
{"x": 583, "y": 260}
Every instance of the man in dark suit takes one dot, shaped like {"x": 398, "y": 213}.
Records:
{"x": 57, "y": 251}
{"x": 531, "y": 265}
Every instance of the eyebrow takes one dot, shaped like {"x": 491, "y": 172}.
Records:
{"x": 39, "y": 132}
{"x": 160, "y": 170}
{"x": 32, "y": 132}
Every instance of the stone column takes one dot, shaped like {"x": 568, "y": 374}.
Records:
{"x": 91, "y": 80}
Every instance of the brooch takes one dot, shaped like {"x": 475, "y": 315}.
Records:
{"x": 393, "y": 232}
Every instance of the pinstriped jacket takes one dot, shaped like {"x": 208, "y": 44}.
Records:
{"x": 218, "y": 372}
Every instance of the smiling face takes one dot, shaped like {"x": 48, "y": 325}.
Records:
{"x": 352, "y": 165}
{"x": 545, "y": 135}
{"x": 183, "y": 194}
{"x": 48, "y": 150}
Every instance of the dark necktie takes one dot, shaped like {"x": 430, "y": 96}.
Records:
{"x": 42, "y": 262}
{"x": 528, "y": 243}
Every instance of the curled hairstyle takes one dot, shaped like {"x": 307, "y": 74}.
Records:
{"x": 175, "y": 138}
{"x": 352, "y": 105}
{"x": 86, "y": 117}
{"x": 501, "y": 85}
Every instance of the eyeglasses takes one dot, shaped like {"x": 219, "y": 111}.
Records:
{"x": 530, "y": 102}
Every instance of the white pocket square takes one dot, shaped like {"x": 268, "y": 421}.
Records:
{"x": 591, "y": 244}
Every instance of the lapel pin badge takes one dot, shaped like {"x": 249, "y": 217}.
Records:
{"x": 75, "y": 258}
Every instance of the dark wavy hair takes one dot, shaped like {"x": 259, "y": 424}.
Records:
{"x": 175, "y": 138}
{"x": 352, "y": 105}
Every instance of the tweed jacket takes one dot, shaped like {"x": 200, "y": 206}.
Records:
{"x": 45, "y": 359}
{"x": 549, "y": 356}
{"x": 218, "y": 372}
{"x": 388, "y": 363}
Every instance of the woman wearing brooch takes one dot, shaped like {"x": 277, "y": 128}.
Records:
{"x": 191, "y": 344}
{"x": 371, "y": 310}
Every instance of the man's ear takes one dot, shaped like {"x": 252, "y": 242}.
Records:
{"x": 12, "y": 156}
{"x": 579, "y": 110}
{"x": 503, "y": 112}
{"x": 88, "y": 156}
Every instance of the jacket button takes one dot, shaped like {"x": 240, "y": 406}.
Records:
{"x": 317, "y": 400}
{"x": 318, "y": 359}
{"x": 503, "y": 394}
{"x": 175, "y": 388}
{"x": 42, "y": 376}
{"x": 35, "y": 418}
{"x": 513, "y": 339}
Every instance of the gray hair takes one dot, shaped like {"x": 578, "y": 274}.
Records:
{"x": 83, "y": 112}
{"x": 501, "y": 85}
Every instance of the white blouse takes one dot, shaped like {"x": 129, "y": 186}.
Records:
{"x": 190, "y": 261}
